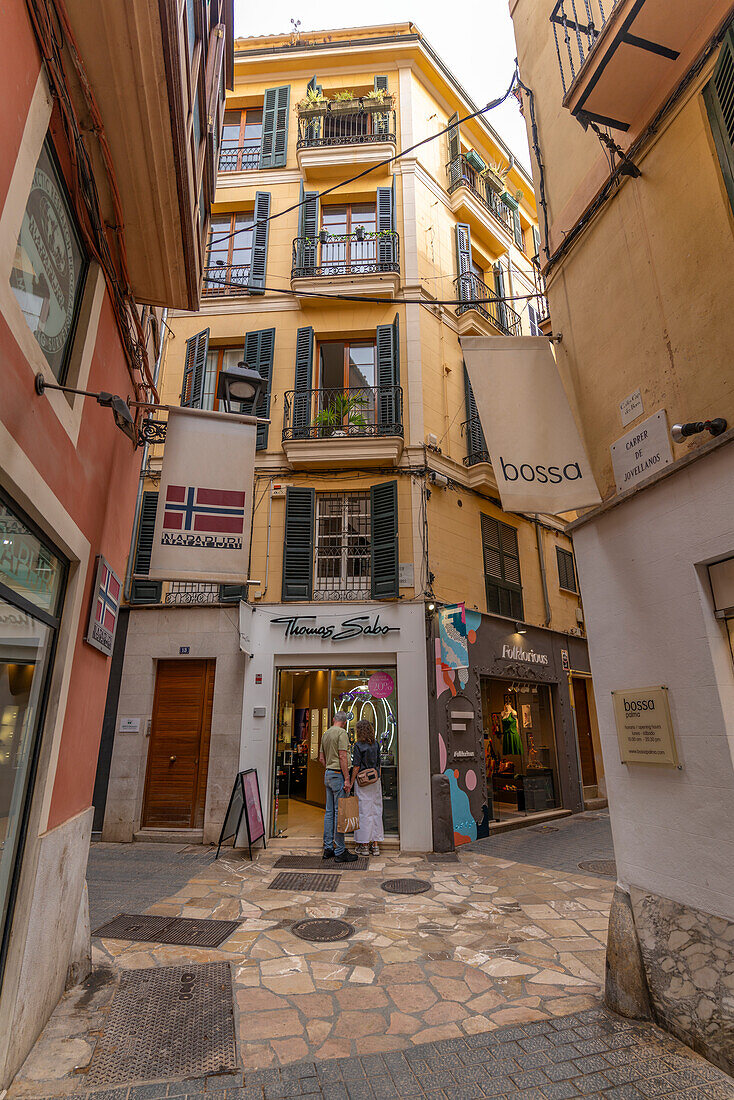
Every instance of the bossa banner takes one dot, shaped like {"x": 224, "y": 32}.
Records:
{"x": 537, "y": 454}
{"x": 204, "y": 515}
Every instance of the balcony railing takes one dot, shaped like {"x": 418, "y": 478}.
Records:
{"x": 576, "y": 26}
{"x": 226, "y": 279}
{"x": 475, "y": 294}
{"x": 359, "y": 253}
{"x": 240, "y": 158}
{"x": 475, "y": 444}
{"x": 336, "y": 413}
{"x": 461, "y": 174}
{"x": 349, "y": 123}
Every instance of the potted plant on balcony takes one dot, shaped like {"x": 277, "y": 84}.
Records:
{"x": 494, "y": 175}
{"x": 313, "y": 102}
{"x": 344, "y": 101}
{"x": 342, "y": 412}
{"x": 511, "y": 199}
{"x": 475, "y": 161}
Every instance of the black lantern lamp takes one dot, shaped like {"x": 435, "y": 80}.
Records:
{"x": 240, "y": 383}
{"x": 120, "y": 411}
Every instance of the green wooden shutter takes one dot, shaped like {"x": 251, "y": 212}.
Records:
{"x": 566, "y": 571}
{"x": 142, "y": 591}
{"x": 476, "y": 445}
{"x": 192, "y": 387}
{"x": 259, "y": 349}
{"x": 308, "y": 232}
{"x": 384, "y": 546}
{"x": 536, "y": 244}
{"x": 499, "y": 286}
{"x": 274, "y": 141}
{"x": 389, "y": 409}
{"x": 232, "y": 593}
{"x": 381, "y": 84}
{"x": 259, "y": 257}
{"x": 463, "y": 262}
{"x": 501, "y": 568}
{"x": 454, "y": 143}
{"x": 311, "y": 86}
{"x": 385, "y": 229}
{"x": 303, "y": 383}
{"x": 300, "y": 505}
{"x": 517, "y": 226}
{"x": 718, "y": 95}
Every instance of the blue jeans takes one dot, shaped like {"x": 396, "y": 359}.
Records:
{"x": 334, "y": 783}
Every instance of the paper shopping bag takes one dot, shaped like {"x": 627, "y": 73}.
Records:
{"x": 348, "y": 819}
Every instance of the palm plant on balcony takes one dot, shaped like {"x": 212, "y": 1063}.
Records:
{"x": 343, "y": 410}
{"x": 495, "y": 175}
{"x": 313, "y": 101}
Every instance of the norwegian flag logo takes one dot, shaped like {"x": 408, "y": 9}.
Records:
{"x": 204, "y": 511}
{"x": 108, "y": 599}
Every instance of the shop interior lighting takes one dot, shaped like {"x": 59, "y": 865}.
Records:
{"x": 120, "y": 411}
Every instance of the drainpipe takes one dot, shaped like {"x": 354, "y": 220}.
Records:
{"x": 543, "y": 577}
{"x": 146, "y": 448}
{"x": 267, "y": 551}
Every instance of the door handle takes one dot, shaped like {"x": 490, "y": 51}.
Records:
{"x": 172, "y": 759}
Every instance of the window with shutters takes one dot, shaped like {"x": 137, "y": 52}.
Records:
{"x": 342, "y": 546}
{"x": 566, "y": 570}
{"x": 241, "y": 140}
{"x": 141, "y": 590}
{"x": 229, "y": 254}
{"x": 501, "y": 568}
{"x": 345, "y": 398}
{"x": 718, "y": 96}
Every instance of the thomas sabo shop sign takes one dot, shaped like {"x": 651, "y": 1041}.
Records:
{"x": 644, "y": 726}
{"x": 307, "y": 626}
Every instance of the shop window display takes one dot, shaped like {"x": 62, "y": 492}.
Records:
{"x": 519, "y": 747}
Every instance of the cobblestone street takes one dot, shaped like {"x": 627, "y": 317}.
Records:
{"x": 486, "y": 985}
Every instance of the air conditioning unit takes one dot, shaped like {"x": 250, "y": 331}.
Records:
{"x": 438, "y": 479}
{"x": 579, "y": 615}
{"x": 432, "y": 440}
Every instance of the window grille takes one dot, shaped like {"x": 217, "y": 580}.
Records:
{"x": 342, "y": 546}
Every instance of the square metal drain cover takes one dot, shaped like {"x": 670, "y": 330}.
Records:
{"x": 316, "y": 863}
{"x": 442, "y": 857}
{"x": 291, "y": 880}
{"x": 169, "y": 1021}
{"x": 184, "y": 931}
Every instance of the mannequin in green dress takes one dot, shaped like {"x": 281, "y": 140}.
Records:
{"x": 511, "y": 743}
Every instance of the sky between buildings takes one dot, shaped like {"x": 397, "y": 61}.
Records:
{"x": 475, "y": 40}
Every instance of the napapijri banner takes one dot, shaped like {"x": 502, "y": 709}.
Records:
{"x": 204, "y": 515}
{"x": 537, "y": 454}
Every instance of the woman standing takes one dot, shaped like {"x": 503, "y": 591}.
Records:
{"x": 367, "y": 781}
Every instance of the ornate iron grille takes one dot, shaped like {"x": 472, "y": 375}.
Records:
{"x": 349, "y": 124}
{"x": 241, "y": 158}
{"x": 338, "y": 413}
{"x": 191, "y": 592}
{"x": 475, "y": 294}
{"x": 472, "y": 429}
{"x": 461, "y": 174}
{"x": 359, "y": 253}
{"x": 342, "y": 546}
{"x": 226, "y": 279}
{"x": 581, "y": 23}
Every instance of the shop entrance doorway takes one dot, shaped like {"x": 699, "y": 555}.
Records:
{"x": 178, "y": 751}
{"x": 306, "y": 703}
{"x": 583, "y": 726}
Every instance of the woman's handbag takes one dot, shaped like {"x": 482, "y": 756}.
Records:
{"x": 368, "y": 776}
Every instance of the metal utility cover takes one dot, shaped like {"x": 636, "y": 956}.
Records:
{"x": 322, "y": 930}
{"x": 599, "y": 867}
{"x": 442, "y": 857}
{"x": 184, "y": 931}
{"x": 545, "y": 829}
{"x": 405, "y": 886}
{"x": 291, "y": 880}
{"x": 170, "y": 1021}
{"x": 316, "y": 863}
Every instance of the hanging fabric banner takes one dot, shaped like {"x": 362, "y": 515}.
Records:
{"x": 204, "y": 516}
{"x": 537, "y": 454}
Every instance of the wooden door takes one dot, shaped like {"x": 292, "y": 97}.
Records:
{"x": 178, "y": 751}
{"x": 583, "y": 725}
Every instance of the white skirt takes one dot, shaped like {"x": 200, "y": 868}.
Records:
{"x": 370, "y": 813}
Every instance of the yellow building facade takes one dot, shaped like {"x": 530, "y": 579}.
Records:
{"x": 634, "y": 157}
{"x": 374, "y": 495}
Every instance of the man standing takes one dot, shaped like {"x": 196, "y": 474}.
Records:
{"x": 334, "y": 756}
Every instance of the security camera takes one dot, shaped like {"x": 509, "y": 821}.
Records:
{"x": 681, "y": 432}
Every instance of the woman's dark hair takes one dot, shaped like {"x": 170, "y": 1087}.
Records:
{"x": 365, "y": 732}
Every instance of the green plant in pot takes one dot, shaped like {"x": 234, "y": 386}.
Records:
{"x": 343, "y": 410}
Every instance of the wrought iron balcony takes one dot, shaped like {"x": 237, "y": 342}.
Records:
{"x": 576, "y": 26}
{"x": 476, "y": 446}
{"x": 359, "y": 253}
{"x": 343, "y": 413}
{"x": 225, "y": 279}
{"x": 475, "y": 294}
{"x": 239, "y": 158}
{"x": 462, "y": 174}
{"x": 351, "y": 122}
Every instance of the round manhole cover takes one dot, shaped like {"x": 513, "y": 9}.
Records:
{"x": 599, "y": 867}
{"x": 406, "y": 886}
{"x": 545, "y": 829}
{"x": 322, "y": 930}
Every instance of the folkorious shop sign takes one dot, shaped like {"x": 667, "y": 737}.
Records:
{"x": 527, "y": 656}
{"x": 537, "y": 454}
{"x": 204, "y": 517}
{"x": 644, "y": 726}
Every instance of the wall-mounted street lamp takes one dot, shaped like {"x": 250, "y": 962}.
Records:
{"x": 680, "y": 432}
{"x": 120, "y": 411}
{"x": 240, "y": 383}
{"x": 520, "y": 628}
